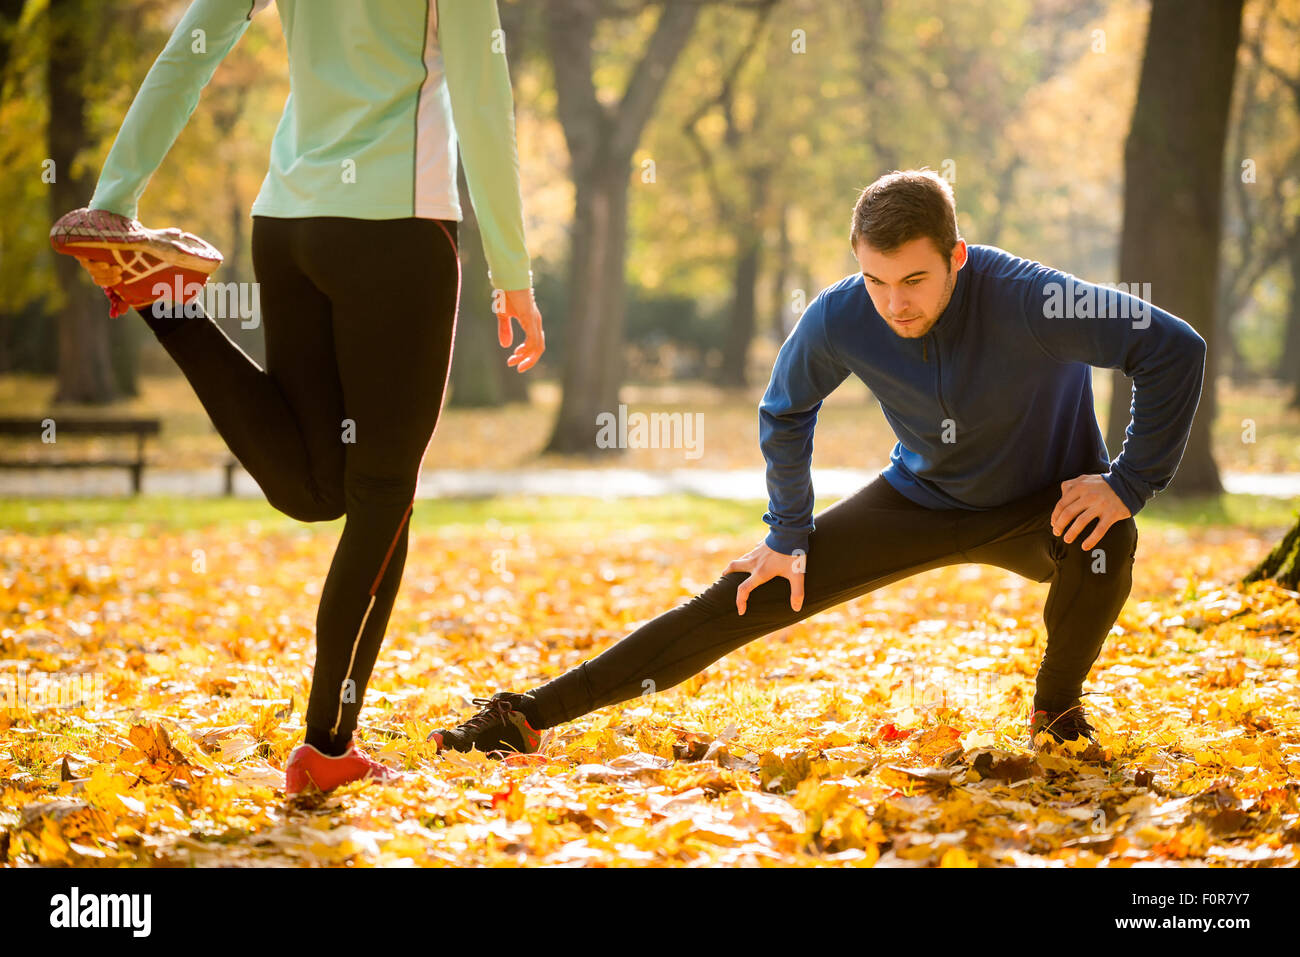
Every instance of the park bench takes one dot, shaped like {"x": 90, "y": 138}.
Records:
{"x": 33, "y": 427}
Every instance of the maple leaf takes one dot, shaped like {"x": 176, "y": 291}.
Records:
{"x": 890, "y": 733}
{"x": 510, "y": 801}
{"x": 1004, "y": 766}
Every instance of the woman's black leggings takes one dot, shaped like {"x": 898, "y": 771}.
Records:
{"x": 870, "y": 539}
{"x": 359, "y": 317}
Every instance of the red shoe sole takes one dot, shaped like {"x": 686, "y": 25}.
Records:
{"x": 153, "y": 261}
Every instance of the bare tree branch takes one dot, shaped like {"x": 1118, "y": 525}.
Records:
{"x": 723, "y": 99}
{"x": 651, "y": 73}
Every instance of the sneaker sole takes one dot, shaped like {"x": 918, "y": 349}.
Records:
{"x": 148, "y": 257}
{"x": 311, "y": 785}
{"x": 83, "y": 230}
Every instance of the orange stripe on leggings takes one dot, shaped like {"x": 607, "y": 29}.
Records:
{"x": 392, "y": 545}
{"x": 446, "y": 376}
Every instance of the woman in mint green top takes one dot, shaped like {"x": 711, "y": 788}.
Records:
{"x": 367, "y": 130}
{"x": 354, "y": 250}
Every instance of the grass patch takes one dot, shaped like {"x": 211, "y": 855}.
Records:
{"x": 37, "y": 516}
{"x": 1254, "y": 512}
{"x": 703, "y": 516}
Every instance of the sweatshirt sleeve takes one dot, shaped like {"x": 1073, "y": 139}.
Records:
{"x": 482, "y": 107}
{"x": 1073, "y": 320}
{"x": 164, "y": 102}
{"x": 806, "y": 371}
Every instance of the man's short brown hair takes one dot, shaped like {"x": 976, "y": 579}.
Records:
{"x": 906, "y": 205}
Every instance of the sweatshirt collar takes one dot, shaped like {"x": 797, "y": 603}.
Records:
{"x": 956, "y": 304}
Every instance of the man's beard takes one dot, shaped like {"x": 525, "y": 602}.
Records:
{"x": 923, "y": 325}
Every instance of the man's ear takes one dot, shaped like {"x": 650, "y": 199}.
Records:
{"x": 959, "y": 254}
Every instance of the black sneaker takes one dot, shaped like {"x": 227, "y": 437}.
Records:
{"x": 1069, "y": 725}
{"x": 501, "y": 727}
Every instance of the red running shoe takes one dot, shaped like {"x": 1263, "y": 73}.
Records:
{"x": 309, "y": 767}
{"x": 140, "y": 265}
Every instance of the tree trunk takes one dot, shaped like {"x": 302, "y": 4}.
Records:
{"x": 1289, "y": 366}
{"x": 1283, "y": 562}
{"x": 594, "y": 361}
{"x": 741, "y": 321}
{"x": 1173, "y": 165}
{"x": 125, "y": 339}
{"x": 85, "y": 370}
{"x": 602, "y": 140}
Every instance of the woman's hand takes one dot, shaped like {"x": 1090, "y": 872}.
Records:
{"x": 520, "y": 304}
{"x": 104, "y": 274}
{"x": 107, "y": 277}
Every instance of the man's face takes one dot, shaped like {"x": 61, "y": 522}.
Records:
{"x": 911, "y": 286}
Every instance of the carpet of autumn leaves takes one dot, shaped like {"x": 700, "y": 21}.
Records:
{"x": 888, "y": 732}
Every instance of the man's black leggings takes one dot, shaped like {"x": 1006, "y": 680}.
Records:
{"x": 872, "y": 538}
{"x": 359, "y": 317}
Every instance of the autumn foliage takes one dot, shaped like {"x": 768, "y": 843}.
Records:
{"x": 888, "y": 731}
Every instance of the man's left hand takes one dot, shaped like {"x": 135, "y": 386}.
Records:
{"x": 1083, "y": 499}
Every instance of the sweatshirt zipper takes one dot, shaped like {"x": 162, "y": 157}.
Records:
{"x": 938, "y": 377}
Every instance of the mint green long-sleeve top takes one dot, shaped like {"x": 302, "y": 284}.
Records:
{"x": 381, "y": 93}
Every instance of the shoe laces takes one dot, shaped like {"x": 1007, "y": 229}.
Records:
{"x": 494, "y": 709}
{"x": 1070, "y": 723}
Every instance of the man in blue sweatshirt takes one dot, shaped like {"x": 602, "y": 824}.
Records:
{"x": 980, "y": 361}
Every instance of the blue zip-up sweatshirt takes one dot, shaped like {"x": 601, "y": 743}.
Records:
{"x": 995, "y": 401}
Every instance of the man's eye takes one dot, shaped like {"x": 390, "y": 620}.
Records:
{"x": 913, "y": 282}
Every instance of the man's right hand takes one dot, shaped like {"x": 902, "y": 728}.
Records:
{"x": 764, "y": 564}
